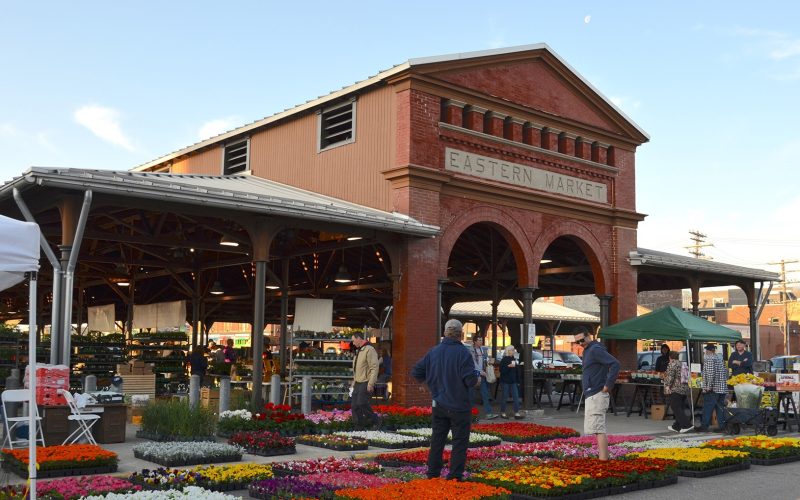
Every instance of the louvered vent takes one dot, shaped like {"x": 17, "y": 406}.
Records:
{"x": 337, "y": 125}
{"x": 235, "y": 160}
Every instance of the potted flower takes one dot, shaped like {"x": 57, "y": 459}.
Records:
{"x": 334, "y": 442}
{"x": 264, "y": 443}
{"x": 174, "y": 454}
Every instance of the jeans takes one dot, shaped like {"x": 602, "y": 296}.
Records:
{"x": 484, "y": 390}
{"x": 514, "y": 394}
{"x": 713, "y": 401}
{"x": 361, "y": 407}
{"x": 677, "y": 402}
{"x": 445, "y": 421}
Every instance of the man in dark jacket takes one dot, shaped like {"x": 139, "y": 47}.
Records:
{"x": 600, "y": 370}
{"x": 740, "y": 361}
{"x": 450, "y": 374}
{"x": 663, "y": 361}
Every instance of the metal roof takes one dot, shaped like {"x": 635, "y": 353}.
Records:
{"x": 238, "y": 192}
{"x": 508, "y": 309}
{"x": 656, "y": 259}
{"x": 381, "y": 76}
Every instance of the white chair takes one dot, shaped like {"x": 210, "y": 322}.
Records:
{"x": 11, "y": 396}
{"x": 85, "y": 420}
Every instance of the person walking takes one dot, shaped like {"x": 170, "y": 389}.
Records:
{"x": 481, "y": 366}
{"x": 600, "y": 370}
{"x": 715, "y": 388}
{"x": 449, "y": 372}
{"x": 509, "y": 380}
{"x": 676, "y": 388}
{"x": 741, "y": 360}
{"x": 365, "y": 375}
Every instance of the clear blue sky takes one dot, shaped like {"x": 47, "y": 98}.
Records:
{"x": 716, "y": 84}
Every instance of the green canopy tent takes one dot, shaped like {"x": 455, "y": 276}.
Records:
{"x": 671, "y": 323}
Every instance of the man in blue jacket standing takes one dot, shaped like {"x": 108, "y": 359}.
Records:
{"x": 600, "y": 370}
{"x": 450, "y": 374}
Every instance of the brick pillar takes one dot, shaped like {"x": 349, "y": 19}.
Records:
{"x": 599, "y": 152}
{"x": 494, "y": 123}
{"x": 623, "y": 288}
{"x": 415, "y": 318}
{"x": 532, "y": 134}
{"x": 473, "y": 118}
{"x": 550, "y": 138}
{"x": 513, "y": 129}
{"x": 611, "y": 156}
{"x": 583, "y": 148}
{"x": 566, "y": 143}
{"x": 454, "y": 112}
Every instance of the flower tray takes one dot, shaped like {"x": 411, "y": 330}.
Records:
{"x": 334, "y": 447}
{"x": 163, "y": 438}
{"x": 272, "y": 452}
{"x": 22, "y": 471}
{"x": 774, "y": 461}
{"x": 193, "y": 461}
{"x": 227, "y": 486}
{"x": 714, "y": 472}
{"x": 394, "y": 463}
{"x": 603, "y": 492}
{"x": 399, "y": 446}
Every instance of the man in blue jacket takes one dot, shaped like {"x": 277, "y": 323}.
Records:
{"x": 450, "y": 374}
{"x": 600, "y": 370}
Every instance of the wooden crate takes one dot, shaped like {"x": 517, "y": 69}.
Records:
{"x": 209, "y": 398}
{"x": 140, "y": 384}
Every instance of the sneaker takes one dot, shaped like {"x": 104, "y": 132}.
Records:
{"x": 673, "y": 429}
{"x": 518, "y": 416}
{"x": 687, "y": 429}
{"x": 504, "y": 416}
{"x": 490, "y": 416}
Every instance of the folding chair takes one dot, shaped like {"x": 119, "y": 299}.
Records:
{"x": 85, "y": 420}
{"x": 10, "y": 396}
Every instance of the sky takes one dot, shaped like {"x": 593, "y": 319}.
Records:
{"x": 715, "y": 84}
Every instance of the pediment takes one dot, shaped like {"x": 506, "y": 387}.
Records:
{"x": 538, "y": 80}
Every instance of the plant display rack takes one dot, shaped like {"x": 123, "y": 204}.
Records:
{"x": 331, "y": 373}
{"x": 96, "y": 354}
{"x": 170, "y": 370}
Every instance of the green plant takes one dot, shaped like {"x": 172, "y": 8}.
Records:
{"x": 177, "y": 419}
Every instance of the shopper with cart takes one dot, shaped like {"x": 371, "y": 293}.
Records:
{"x": 676, "y": 388}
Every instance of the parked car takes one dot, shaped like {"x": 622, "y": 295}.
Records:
{"x": 647, "y": 359}
{"x": 783, "y": 363}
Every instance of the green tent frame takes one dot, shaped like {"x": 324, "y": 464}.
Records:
{"x": 670, "y": 323}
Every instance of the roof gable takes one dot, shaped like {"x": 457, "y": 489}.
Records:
{"x": 535, "y": 78}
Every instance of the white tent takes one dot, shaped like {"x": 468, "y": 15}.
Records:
{"x": 19, "y": 254}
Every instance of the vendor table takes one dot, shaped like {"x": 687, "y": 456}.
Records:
{"x": 573, "y": 389}
{"x": 109, "y": 429}
{"x": 643, "y": 394}
{"x": 786, "y": 403}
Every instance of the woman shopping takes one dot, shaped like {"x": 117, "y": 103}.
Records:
{"x": 676, "y": 387}
{"x": 509, "y": 380}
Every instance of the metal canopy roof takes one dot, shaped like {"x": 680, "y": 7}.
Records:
{"x": 508, "y": 309}
{"x": 643, "y": 257}
{"x": 238, "y": 192}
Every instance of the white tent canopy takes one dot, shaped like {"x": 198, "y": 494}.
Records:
{"x": 19, "y": 254}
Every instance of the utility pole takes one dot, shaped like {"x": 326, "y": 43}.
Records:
{"x": 785, "y": 297}
{"x": 699, "y": 242}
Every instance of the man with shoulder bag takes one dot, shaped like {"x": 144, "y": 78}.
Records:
{"x": 486, "y": 372}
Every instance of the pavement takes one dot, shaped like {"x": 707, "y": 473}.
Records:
{"x": 772, "y": 483}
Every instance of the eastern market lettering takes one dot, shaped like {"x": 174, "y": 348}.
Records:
{"x": 523, "y": 175}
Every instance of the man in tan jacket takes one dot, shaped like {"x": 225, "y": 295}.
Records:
{"x": 365, "y": 374}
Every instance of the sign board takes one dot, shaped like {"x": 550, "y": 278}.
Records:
{"x": 697, "y": 368}
{"x": 528, "y": 335}
{"x": 791, "y": 378}
{"x": 796, "y": 367}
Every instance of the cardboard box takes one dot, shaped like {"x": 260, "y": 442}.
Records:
{"x": 657, "y": 412}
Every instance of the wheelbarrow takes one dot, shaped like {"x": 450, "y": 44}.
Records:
{"x": 761, "y": 420}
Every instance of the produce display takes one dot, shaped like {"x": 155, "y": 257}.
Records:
{"x": 745, "y": 378}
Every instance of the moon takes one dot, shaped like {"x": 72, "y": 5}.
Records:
{"x": 587, "y": 19}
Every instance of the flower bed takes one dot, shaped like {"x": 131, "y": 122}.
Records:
{"x": 692, "y": 460}
{"x": 264, "y": 443}
{"x": 581, "y": 475}
{"x": 288, "y": 488}
{"x": 400, "y": 417}
{"x": 176, "y": 421}
{"x": 654, "y": 444}
{"x": 387, "y": 439}
{"x": 334, "y": 442}
{"x": 275, "y": 418}
{"x": 165, "y": 479}
{"x": 73, "y": 488}
{"x": 323, "y": 465}
{"x": 426, "y": 488}
{"x": 612, "y": 439}
{"x": 411, "y": 472}
{"x": 180, "y": 453}
{"x": 520, "y": 432}
{"x": 189, "y": 493}
{"x": 232, "y": 477}
{"x": 476, "y": 439}
{"x": 763, "y": 450}
{"x": 349, "y": 479}
{"x": 65, "y": 460}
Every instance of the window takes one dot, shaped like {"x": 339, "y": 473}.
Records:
{"x": 235, "y": 157}
{"x": 337, "y": 125}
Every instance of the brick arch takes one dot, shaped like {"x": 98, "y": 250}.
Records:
{"x": 586, "y": 241}
{"x": 504, "y": 223}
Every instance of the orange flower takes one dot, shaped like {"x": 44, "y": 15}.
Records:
{"x": 80, "y": 454}
{"x": 422, "y": 489}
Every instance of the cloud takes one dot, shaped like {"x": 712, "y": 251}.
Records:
{"x": 216, "y": 127}
{"x": 7, "y": 130}
{"x": 624, "y": 103}
{"x": 104, "y": 123}
{"x": 44, "y": 141}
